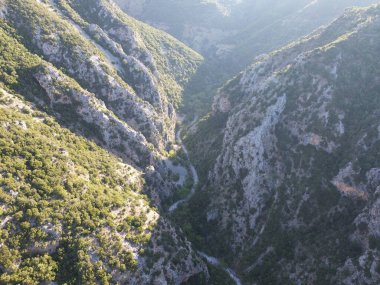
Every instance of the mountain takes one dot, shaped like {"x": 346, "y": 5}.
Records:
{"x": 74, "y": 214}
{"x": 289, "y": 156}
{"x": 223, "y": 28}
{"x": 107, "y": 178}
{"x": 230, "y": 34}
{"x": 136, "y": 71}
{"x": 88, "y": 99}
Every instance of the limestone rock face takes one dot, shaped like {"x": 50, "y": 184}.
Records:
{"x": 114, "y": 133}
{"x": 297, "y": 157}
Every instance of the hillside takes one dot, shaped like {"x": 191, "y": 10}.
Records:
{"x": 108, "y": 57}
{"x": 290, "y": 162}
{"x": 72, "y": 213}
{"x": 87, "y": 114}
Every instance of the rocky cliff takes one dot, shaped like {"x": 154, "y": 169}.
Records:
{"x": 292, "y": 160}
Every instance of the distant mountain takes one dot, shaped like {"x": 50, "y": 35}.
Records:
{"x": 226, "y": 28}
{"x": 290, "y": 157}
{"x": 230, "y": 34}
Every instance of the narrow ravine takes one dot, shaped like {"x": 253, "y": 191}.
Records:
{"x": 210, "y": 259}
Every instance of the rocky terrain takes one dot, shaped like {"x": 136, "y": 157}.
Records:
{"x": 72, "y": 213}
{"x": 140, "y": 86}
{"x": 293, "y": 184}
{"x": 106, "y": 178}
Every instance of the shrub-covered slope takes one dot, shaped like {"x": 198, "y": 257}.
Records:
{"x": 293, "y": 181}
{"x": 72, "y": 213}
{"x": 89, "y": 83}
{"x": 60, "y": 95}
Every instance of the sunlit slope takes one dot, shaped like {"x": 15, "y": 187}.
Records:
{"x": 137, "y": 71}
{"x": 71, "y": 212}
{"x": 83, "y": 112}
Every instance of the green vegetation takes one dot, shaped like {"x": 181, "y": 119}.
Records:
{"x": 16, "y": 62}
{"x": 60, "y": 194}
{"x": 17, "y": 73}
{"x": 54, "y": 31}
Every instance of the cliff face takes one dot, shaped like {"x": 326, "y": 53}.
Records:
{"x": 294, "y": 183}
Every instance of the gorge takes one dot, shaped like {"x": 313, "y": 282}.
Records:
{"x": 189, "y": 142}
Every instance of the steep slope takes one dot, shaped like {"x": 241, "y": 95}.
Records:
{"x": 72, "y": 213}
{"x": 291, "y": 151}
{"x": 135, "y": 76}
{"x": 168, "y": 59}
{"x": 67, "y": 100}
{"x": 78, "y": 81}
